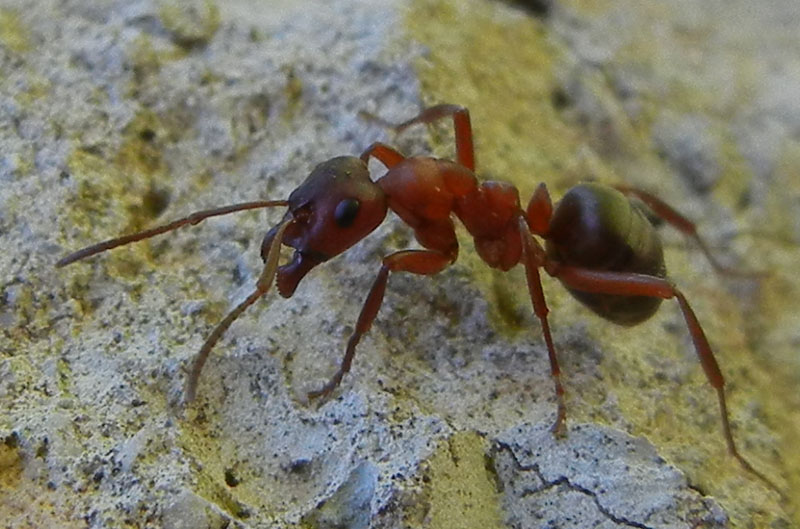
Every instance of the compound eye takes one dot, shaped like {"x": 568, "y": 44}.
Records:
{"x": 346, "y": 212}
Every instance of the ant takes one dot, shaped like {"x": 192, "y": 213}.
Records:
{"x": 598, "y": 243}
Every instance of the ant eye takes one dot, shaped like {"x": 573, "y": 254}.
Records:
{"x": 346, "y": 212}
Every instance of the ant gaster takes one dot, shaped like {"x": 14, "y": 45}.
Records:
{"x": 598, "y": 243}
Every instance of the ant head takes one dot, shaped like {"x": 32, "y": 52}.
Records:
{"x": 334, "y": 208}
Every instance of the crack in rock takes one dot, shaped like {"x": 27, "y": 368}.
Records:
{"x": 564, "y": 480}
{"x": 596, "y": 477}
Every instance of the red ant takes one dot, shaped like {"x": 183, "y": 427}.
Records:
{"x": 598, "y": 243}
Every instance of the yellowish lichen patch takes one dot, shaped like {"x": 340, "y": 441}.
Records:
{"x": 501, "y": 69}
{"x": 212, "y": 487}
{"x": 121, "y": 195}
{"x": 232, "y": 490}
{"x": 64, "y": 376}
{"x": 13, "y": 33}
{"x": 733, "y": 188}
{"x": 293, "y": 92}
{"x": 37, "y": 88}
{"x": 145, "y": 60}
{"x": 595, "y": 7}
{"x": 190, "y": 23}
{"x": 777, "y": 329}
{"x": 460, "y": 488}
{"x": 103, "y": 205}
{"x": 139, "y": 153}
{"x": 10, "y": 461}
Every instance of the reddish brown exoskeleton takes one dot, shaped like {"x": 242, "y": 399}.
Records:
{"x": 598, "y": 243}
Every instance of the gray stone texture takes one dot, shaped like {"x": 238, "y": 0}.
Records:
{"x": 120, "y": 115}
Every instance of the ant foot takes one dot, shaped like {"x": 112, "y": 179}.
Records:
{"x": 328, "y": 388}
{"x": 559, "y": 428}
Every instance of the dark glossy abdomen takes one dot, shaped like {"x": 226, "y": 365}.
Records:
{"x": 598, "y": 228}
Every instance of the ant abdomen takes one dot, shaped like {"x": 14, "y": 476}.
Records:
{"x": 596, "y": 227}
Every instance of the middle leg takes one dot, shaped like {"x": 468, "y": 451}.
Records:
{"x": 534, "y": 257}
{"x": 422, "y": 262}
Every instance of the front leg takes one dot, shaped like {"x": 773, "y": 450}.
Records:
{"x": 423, "y": 262}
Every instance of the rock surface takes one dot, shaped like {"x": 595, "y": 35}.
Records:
{"x": 116, "y": 116}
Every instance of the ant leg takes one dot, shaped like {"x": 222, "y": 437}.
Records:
{"x": 387, "y": 155}
{"x": 684, "y": 225}
{"x": 540, "y": 210}
{"x": 630, "y": 284}
{"x": 422, "y": 262}
{"x": 534, "y": 257}
{"x": 263, "y": 285}
{"x": 465, "y": 151}
{"x": 194, "y": 218}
